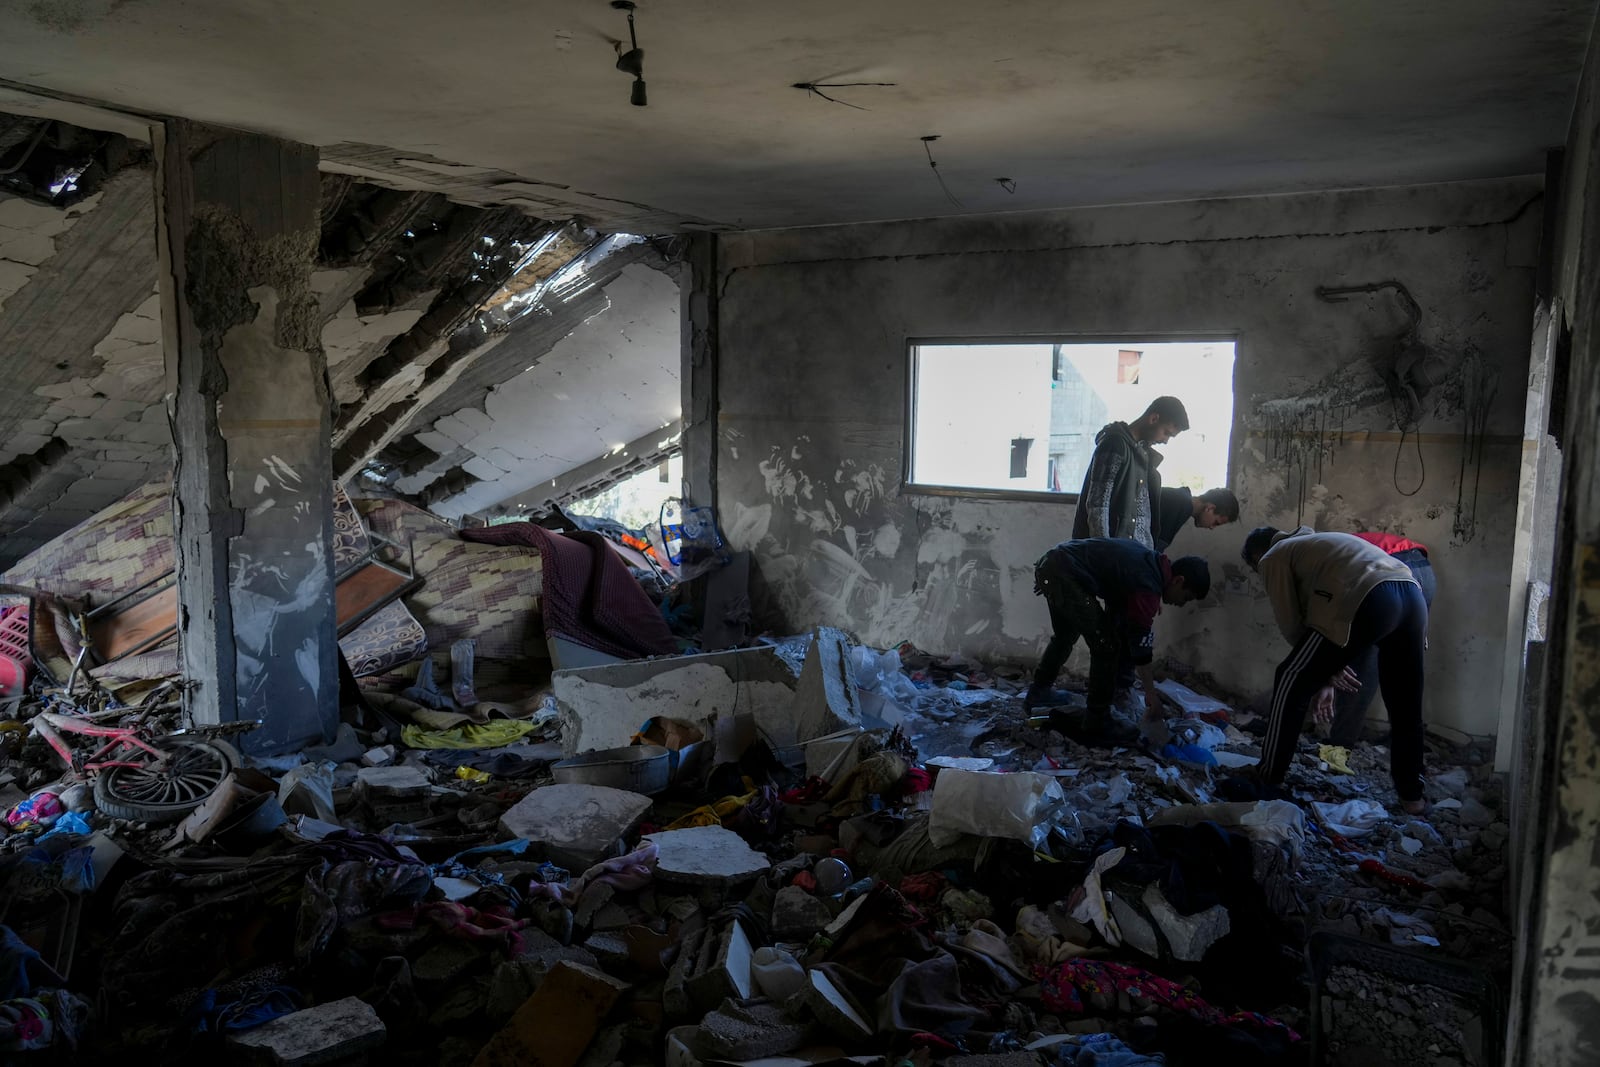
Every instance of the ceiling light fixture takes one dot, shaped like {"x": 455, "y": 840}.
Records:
{"x": 632, "y": 61}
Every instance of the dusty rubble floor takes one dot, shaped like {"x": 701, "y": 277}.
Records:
{"x": 442, "y": 997}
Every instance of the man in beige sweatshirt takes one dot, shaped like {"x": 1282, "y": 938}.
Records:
{"x": 1335, "y": 596}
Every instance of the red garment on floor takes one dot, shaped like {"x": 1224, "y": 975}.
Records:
{"x": 590, "y": 596}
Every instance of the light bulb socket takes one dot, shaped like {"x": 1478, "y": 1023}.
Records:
{"x": 637, "y": 97}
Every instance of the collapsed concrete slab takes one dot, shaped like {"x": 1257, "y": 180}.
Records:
{"x": 604, "y": 706}
{"x": 576, "y": 826}
{"x": 705, "y": 855}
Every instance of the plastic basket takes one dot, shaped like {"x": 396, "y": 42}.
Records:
{"x": 1466, "y": 981}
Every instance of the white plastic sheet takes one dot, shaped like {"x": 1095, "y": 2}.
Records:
{"x": 1018, "y": 807}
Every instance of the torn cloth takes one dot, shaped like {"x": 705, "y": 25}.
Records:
{"x": 589, "y": 593}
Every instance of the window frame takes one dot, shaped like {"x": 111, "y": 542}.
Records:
{"x": 909, "y": 419}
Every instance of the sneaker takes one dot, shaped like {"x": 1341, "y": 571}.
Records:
{"x": 1045, "y": 697}
{"x": 1097, "y": 728}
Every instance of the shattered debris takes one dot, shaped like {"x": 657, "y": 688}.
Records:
{"x": 848, "y": 856}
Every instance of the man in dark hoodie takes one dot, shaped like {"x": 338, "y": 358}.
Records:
{"x": 1212, "y": 508}
{"x": 1121, "y": 495}
{"x": 1108, "y": 592}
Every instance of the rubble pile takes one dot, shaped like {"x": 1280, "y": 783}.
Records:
{"x": 1374, "y": 1019}
{"x": 845, "y": 855}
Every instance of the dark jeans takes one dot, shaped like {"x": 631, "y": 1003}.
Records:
{"x": 1074, "y": 614}
{"x": 1393, "y": 620}
{"x": 1351, "y": 708}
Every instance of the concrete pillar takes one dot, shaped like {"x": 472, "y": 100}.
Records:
{"x": 238, "y": 225}
{"x": 698, "y": 321}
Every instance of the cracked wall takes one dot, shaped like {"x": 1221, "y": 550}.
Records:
{"x": 813, "y": 328}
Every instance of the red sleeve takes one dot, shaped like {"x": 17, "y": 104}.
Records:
{"x": 1391, "y": 543}
{"x": 1142, "y": 609}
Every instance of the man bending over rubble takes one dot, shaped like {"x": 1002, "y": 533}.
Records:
{"x": 1334, "y": 597}
{"x": 1133, "y": 582}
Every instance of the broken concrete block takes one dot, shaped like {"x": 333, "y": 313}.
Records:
{"x": 577, "y": 825}
{"x": 748, "y": 1031}
{"x": 723, "y": 968}
{"x": 604, "y": 706}
{"x": 797, "y": 915}
{"x": 704, "y": 855}
{"x": 555, "y": 1025}
{"x": 327, "y": 1032}
{"x": 390, "y": 784}
{"x": 445, "y": 964}
{"x": 610, "y": 949}
{"x": 1137, "y": 932}
{"x": 676, "y": 998}
{"x": 826, "y": 699}
{"x": 381, "y": 756}
{"x": 1188, "y": 936}
{"x": 834, "y": 1010}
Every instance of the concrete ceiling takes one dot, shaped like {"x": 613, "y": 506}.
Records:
{"x": 1090, "y": 102}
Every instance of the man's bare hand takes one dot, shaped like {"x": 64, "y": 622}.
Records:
{"x": 1323, "y": 705}
{"x": 1347, "y": 680}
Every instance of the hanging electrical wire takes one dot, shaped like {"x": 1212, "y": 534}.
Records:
{"x": 815, "y": 89}
{"x": 1478, "y": 392}
{"x": 927, "y": 147}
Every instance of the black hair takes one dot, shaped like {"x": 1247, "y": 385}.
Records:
{"x": 1195, "y": 574}
{"x": 1257, "y": 543}
{"x": 1171, "y": 409}
{"x": 1224, "y": 501}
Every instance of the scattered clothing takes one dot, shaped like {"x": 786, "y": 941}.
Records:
{"x": 589, "y": 594}
{"x": 1079, "y": 985}
{"x": 468, "y": 736}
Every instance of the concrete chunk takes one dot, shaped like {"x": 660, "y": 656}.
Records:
{"x": 797, "y": 914}
{"x": 393, "y": 783}
{"x": 555, "y": 1025}
{"x": 323, "y": 1034}
{"x": 705, "y": 855}
{"x": 723, "y": 967}
{"x": 577, "y": 825}
{"x": 1189, "y": 936}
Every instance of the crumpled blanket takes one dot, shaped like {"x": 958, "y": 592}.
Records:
{"x": 495, "y": 924}
{"x": 589, "y": 594}
{"x": 334, "y": 894}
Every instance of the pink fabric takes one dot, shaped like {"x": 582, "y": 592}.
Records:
{"x": 629, "y": 873}
{"x": 590, "y": 595}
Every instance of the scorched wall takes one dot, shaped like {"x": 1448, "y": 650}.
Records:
{"x": 812, "y": 408}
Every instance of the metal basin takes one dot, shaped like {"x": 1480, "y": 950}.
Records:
{"x": 643, "y": 769}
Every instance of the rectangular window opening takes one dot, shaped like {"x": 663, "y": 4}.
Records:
{"x": 1020, "y": 417}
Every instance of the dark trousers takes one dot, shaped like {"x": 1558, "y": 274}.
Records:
{"x": 1074, "y": 614}
{"x": 1392, "y": 620}
{"x": 1351, "y": 708}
